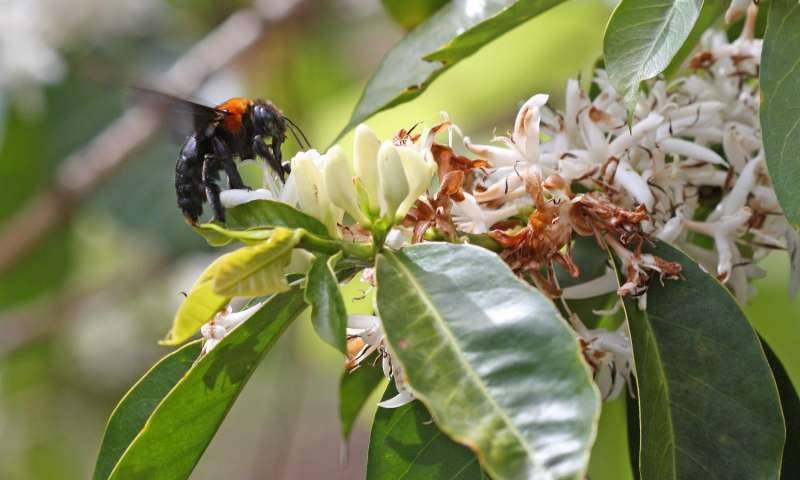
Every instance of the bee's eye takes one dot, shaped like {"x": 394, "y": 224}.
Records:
{"x": 263, "y": 116}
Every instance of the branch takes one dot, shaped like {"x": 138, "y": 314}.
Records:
{"x": 82, "y": 172}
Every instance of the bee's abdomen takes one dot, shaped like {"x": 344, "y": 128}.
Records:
{"x": 189, "y": 179}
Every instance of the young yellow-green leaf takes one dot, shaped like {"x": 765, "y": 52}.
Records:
{"x": 257, "y": 269}
{"x": 641, "y": 38}
{"x": 355, "y": 388}
{"x": 405, "y": 443}
{"x": 180, "y": 428}
{"x": 780, "y": 103}
{"x": 138, "y": 404}
{"x": 708, "y": 403}
{"x": 410, "y": 13}
{"x": 454, "y": 32}
{"x": 271, "y": 214}
{"x": 491, "y": 358}
{"x": 200, "y": 305}
{"x": 328, "y": 312}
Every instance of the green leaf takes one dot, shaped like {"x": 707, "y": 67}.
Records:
{"x": 182, "y": 425}
{"x": 491, "y": 358}
{"x": 328, "y": 312}
{"x": 791, "y": 412}
{"x": 780, "y": 103}
{"x": 410, "y": 13}
{"x": 453, "y": 33}
{"x": 213, "y": 236}
{"x": 257, "y": 269}
{"x": 405, "y": 443}
{"x": 708, "y": 403}
{"x": 642, "y": 37}
{"x": 269, "y": 214}
{"x": 130, "y": 415}
{"x": 218, "y": 236}
{"x": 711, "y": 12}
{"x": 201, "y": 304}
{"x": 355, "y": 388}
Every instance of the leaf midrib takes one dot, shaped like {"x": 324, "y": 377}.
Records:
{"x": 470, "y": 372}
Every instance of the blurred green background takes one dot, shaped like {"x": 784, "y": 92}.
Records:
{"x": 80, "y": 316}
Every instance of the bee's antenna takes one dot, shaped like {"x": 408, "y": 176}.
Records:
{"x": 295, "y": 130}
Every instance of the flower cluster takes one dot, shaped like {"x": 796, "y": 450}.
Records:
{"x": 685, "y": 166}
{"x": 376, "y": 188}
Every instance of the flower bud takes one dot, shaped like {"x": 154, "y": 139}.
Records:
{"x": 365, "y": 162}
{"x": 311, "y": 194}
{"x": 393, "y": 185}
{"x": 339, "y": 185}
{"x": 419, "y": 172}
{"x": 304, "y": 165}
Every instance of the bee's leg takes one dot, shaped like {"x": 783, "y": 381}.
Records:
{"x": 210, "y": 177}
{"x": 283, "y": 169}
{"x": 262, "y": 150}
{"x": 223, "y": 155}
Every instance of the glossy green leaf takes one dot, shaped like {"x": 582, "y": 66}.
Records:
{"x": 791, "y": 413}
{"x": 138, "y": 404}
{"x": 711, "y": 13}
{"x": 410, "y": 13}
{"x": 780, "y": 103}
{"x": 491, "y": 358}
{"x": 328, "y": 312}
{"x": 642, "y": 37}
{"x": 708, "y": 403}
{"x": 355, "y": 388}
{"x": 257, "y": 269}
{"x": 200, "y": 306}
{"x": 405, "y": 443}
{"x": 182, "y": 425}
{"x": 453, "y": 33}
{"x": 269, "y": 214}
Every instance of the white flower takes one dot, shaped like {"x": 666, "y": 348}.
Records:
{"x": 470, "y": 217}
{"x": 223, "y": 322}
{"x": 365, "y": 161}
{"x": 419, "y": 169}
{"x": 611, "y": 355}
{"x": 393, "y": 184}
{"x": 365, "y": 337}
{"x": 340, "y": 187}
{"x": 312, "y": 196}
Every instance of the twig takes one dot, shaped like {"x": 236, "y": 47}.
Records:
{"x": 89, "y": 167}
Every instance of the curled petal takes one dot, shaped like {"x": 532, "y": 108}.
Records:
{"x": 402, "y": 398}
{"x": 526, "y": 127}
{"x": 234, "y": 197}
{"x": 497, "y": 156}
{"x": 685, "y": 148}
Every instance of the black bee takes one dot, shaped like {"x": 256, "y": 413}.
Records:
{"x": 238, "y": 127}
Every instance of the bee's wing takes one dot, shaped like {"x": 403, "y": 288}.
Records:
{"x": 184, "y": 117}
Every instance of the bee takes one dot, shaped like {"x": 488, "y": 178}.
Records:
{"x": 237, "y": 128}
